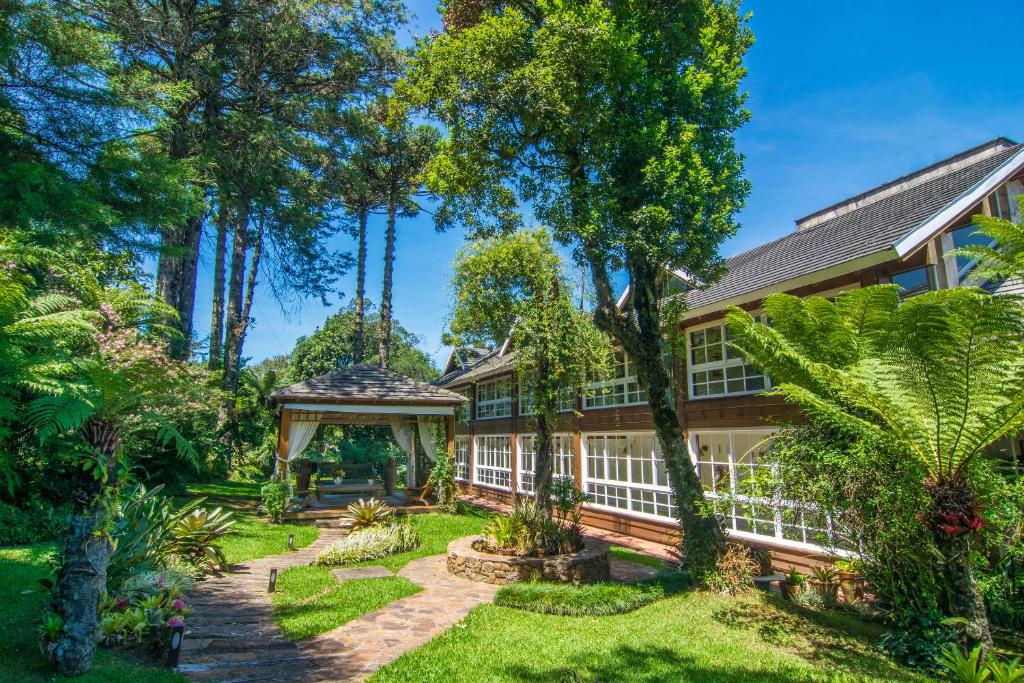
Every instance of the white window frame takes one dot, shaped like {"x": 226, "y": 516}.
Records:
{"x": 566, "y": 401}
{"x": 631, "y": 487}
{"x": 723, "y": 365}
{"x": 775, "y": 505}
{"x": 628, "y": 378}
{"x": 463, "y": 449}
{"x": 485, "y": 461}
{"x": 501, "y": 402}
{"x": 525, "y": 452}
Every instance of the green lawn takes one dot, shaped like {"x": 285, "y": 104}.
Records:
{"x": 310, "y": 601}
{"x": 22, "y": 600}
{"x": 620, "y": 553}
{"x": 694, "y": 636}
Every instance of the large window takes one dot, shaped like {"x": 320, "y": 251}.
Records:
{"x": 566, "y": 400}
{"x": 494, "y": 398}
{"x": 916, "y": 281}
{"x": 462, "y": 445}
{"x": 562, "y": 450}
{"x": 727, "y": 462}
{"x": 493, "y": 466}
{"x": 717, "y": 369}
{"x": 1000, "y": 205}
{"x": 626, "y": 472}
{"x": 463, "y": 412}
{"x": 618, "y": 386}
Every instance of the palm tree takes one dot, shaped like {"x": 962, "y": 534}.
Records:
{"x": 938, "y": 374}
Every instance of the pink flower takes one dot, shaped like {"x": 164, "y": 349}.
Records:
{"x": 175, "y": 621}
{"x": 178, "y": 604}
{"x": 161, "y": 581}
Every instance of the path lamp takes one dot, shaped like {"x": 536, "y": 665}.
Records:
{"x": 177, "y": 635}
{"x": 272, "y": 586}
{"x": 291, "y": 541}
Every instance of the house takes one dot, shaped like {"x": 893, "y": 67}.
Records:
{"x": 902, "y": 232}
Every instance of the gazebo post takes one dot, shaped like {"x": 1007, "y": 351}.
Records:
{"x": 284, "y": 428}
{"x": 449, "y": 433}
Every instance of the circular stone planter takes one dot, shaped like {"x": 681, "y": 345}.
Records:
{"x": 587, "y": 566}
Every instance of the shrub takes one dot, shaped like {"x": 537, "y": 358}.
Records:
{"x": 196, "y": 533}
{"x": 22, "y": 527}
{"x": 147, "y": 584}
{"x": 370, "y": 543}
{"x": 594, "y": 599}
{"x": 919, "y": 641}
{"x": 442, "y": 477}
{"x": 367, "y": 513}
{"x": 274, "y": 495}
{"x": 978, "y": 668}
{"x": 734, "y": 571}
{"x": 527, "y": 531}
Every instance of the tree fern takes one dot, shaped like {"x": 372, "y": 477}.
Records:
{"x": 1004, "y": 258}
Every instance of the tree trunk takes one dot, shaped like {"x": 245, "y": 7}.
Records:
{"x": 217, "y": 315}
{"x": 176, "y": 274}
{"x": 82, "y": 580}
{"x": 953, "y": 523}
{"x": 385, "y": 299}
{"x": 546, "y": 410}
{"x": 239, "y": 256}
{"x": 359, "y": 335}
{"x": 641, "y": 338}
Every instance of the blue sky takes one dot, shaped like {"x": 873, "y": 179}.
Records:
{"x": 844, "y": 96}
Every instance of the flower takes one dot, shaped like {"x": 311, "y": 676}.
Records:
{"x": 175, "y": 622}
{"x": 178, "y": 604}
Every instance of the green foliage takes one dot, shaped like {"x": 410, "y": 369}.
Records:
{"x": 370, "y": 543}
{"x": 330, "y": 348}
{"x": 195, "y": 536}
{"x": 979, "y": 666}
{"x": 274, "y": 495}
{"x": 22, "y": 527}
{"x": 1005, "y": 257}
{"x": 368, "y": 513}
{"x": 919, "y": 640}
{"x": 593, "y": 599}
{"x": 528, "y": 530}
{"x": 442, "y": 478}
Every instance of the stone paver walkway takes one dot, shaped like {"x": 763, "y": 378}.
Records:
{"x": 231, "y": 635}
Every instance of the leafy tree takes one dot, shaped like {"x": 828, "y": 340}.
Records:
{"x": 331, "y": 347}
{"x": 937, "y": 376}
{"x": 615, "y": 122}
{"x": 514, "y": 288}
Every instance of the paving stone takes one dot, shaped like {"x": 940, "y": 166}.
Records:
{"x": 374, "y": 571}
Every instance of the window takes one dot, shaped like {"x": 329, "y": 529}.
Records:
{"x": 494, "y": 398}
{"x": 462, "y": 445}
{"x": 618, "y": 388}
{"x": 562, "y": 450}
{"x": 462, "y": 412}
{"x": 916, "y": 281}
{"x": 494, "y": 461}
{"x": 626, "y": 472}
{"x": 566, "y": 400}
{"x": 726, "y": 462}
{"x": 716, "y": 369}
{"x": 1000, "y": 204}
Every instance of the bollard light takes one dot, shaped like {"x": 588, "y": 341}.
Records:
{"x": 174, "y": 649}
{"x": 273, "y": 580}
{"x": 291, "y": 541}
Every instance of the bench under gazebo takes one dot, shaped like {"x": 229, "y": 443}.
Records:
{"x": 364, "y": 395}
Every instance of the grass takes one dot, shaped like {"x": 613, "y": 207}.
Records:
{"x": 692, "y": 637}
{"x": 23, "y": 600}
{"x": 620, "y": 553}
{"x": 252, "y": 536}
{"x": 595, "y": 599}
{"x": 310, "y": 601}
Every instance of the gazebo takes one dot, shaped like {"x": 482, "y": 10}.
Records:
{"x": 364, "y": 395}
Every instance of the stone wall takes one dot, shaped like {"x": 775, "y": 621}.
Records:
{"x": 587, "y": 566}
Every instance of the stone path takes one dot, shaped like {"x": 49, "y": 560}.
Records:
{"x": 231, "y": 635}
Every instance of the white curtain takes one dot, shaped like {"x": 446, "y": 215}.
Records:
{"x": 404, "y": 435}
{"x": 299, "y": 436}
{"x": 427, "y": 437}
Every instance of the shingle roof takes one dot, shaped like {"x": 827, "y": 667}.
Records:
{"x": 365, "y": 383}
{"x": 490, "y": 364}
{"x": 861, "y": 226}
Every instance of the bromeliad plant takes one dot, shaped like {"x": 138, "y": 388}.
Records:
{"x": 368, "y": 513}
{"x": 938, "y": 376}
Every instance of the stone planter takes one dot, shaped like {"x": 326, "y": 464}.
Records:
{"x": 587, "y": 566}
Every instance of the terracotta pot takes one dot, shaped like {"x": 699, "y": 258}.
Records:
{"x": 852, "y": 585}
{"x": 789, "y": 590}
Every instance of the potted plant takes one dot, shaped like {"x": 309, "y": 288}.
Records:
{"x": 825, "y": 581}
{"x": 790, "y": 586}
{"x": 850, "y": 580}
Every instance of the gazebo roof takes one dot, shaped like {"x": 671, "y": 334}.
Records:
{"x": 366, "y": 384}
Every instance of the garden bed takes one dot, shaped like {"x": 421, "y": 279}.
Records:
{"x": 589, "y": 565}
